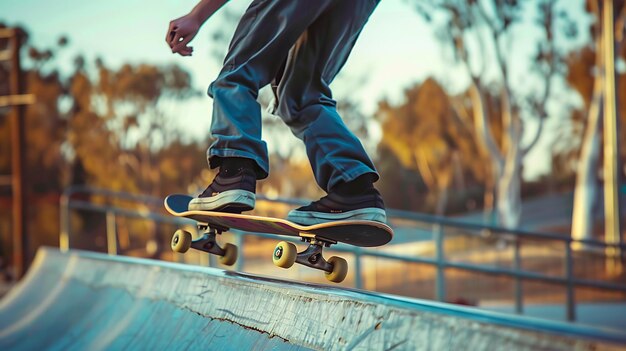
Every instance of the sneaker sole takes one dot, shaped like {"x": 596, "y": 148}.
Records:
{"x": 240, "y": 200}
{"x": 311, "y": 218}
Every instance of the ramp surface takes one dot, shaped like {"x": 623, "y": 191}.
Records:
{"x": 90, "y": 301}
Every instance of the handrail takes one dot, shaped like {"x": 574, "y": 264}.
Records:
{"x": 455, "y": 223}
{"x": 392, "y": 213}
{"x": 439, "y": 261}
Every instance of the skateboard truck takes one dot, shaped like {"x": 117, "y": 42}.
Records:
{"x": 312, "y": 256}
{"x": 182, "y": 241}
{"x": 208, "y": 243}
{"x": 286, "y": 254}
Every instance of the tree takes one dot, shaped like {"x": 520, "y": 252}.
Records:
{"x": 426, "y": 135}
{"x": 479, "y": 32}
{"x": 394, "y": 176}
{"x": 117, "y": 117}
{"x": 100, "y": 126}
{"x": 586, "y": 75}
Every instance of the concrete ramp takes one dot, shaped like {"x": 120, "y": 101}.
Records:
{"x": 88, "y": 301}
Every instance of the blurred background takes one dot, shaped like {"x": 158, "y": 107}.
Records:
{"x": 495, "y": 126}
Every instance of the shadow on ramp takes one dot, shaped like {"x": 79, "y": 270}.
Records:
{"x": 82, "y": 300}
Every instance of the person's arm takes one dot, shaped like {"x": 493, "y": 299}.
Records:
{"x": 182, "y": 30}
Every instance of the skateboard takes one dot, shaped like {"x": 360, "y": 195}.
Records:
{"x": 354, "y": 232}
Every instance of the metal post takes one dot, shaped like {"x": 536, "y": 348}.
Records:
{"x": 20, "y": 243}
{"x": 239, "y": 240}
{"x": 64, "y": 221}
{"x": 211, "y": 260}
{"x": 519, "y": 292}
{"x": 111, "y": 233}
{"x": 571, "y": 302}
{"x": 440, "y": 281}
{"x": 358, "y": 274}
{"x": 611, "y": 150}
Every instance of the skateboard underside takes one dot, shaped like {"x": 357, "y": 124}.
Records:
{"x": 359, "y": 233}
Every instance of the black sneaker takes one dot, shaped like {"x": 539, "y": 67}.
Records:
{"x": 234, "y": 193}
{"x": 334, "y": 207}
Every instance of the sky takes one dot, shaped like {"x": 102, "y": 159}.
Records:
{"x": 396, "y": 49}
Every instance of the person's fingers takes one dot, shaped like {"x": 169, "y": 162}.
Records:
{"x": 183, "y": 51}
{"x": 183, "y": 43}
{"x": 171, "y": 32}
{"x": 171, "y": 36}
{"x": 175, "y": 40}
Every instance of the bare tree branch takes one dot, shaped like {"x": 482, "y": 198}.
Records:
{"x": 550, "y": 57}
{"x": 482, "y": 127}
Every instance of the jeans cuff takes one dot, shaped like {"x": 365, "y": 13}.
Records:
{"x": 214, "y": 158}
{"x": 352, "y": 175}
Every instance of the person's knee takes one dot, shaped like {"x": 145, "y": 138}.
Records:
{"x": 296, "y": 109}
{"x": 233, "y": 82}
{"x": 286, "y": 109}
{"x": 219, "y": 87}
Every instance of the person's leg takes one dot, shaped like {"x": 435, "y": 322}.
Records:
{"x": 340, "y": 164}
{"x": 267, "y": 30}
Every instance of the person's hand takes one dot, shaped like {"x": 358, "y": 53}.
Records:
{"x": 181, "y": 31}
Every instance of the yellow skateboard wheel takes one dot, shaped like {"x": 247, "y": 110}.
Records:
{"x": 284, "y": 254}
{"x": 230, "y": 255}
{"x": 340, "y": 269}
{"x": 181, "y": 241}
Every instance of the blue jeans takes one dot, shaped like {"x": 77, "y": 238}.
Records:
{"x": 300, "y": 46}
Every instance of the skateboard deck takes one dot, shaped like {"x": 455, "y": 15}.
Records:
{"x": 354, "y": 232}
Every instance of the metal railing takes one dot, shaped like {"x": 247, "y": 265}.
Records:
{"x": 439, "y": 227}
